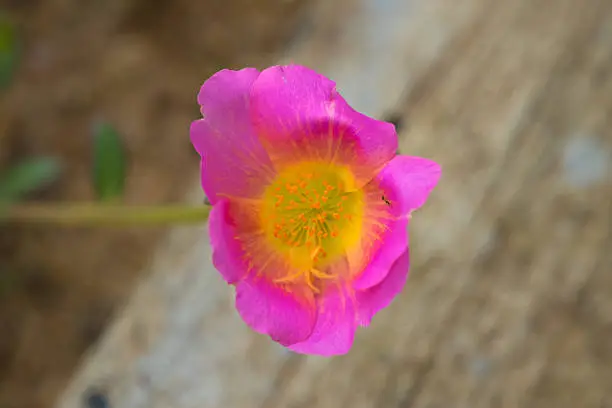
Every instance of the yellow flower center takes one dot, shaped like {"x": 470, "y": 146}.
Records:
{"x": 311, "y": 214}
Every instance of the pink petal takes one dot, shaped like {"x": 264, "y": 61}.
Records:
{"x": 226, "y": 251}
{"x": 287, "y": 317}
{"x": 233, "y": 160}
{"x": 298, "y": 114}
{"x": 407, "y": 182}
{"x": 334, "y": 330}
{"x": 268, "y": 309}
{"x": 394, "y": 245}
{"x": 376, "y": 298}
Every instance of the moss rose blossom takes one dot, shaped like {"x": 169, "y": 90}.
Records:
{"x": 311, "y": 204}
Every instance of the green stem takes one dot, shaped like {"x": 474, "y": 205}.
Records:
{"x": 92, "y": 214}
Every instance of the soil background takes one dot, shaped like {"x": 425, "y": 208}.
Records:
{"x": 137, "y": 64}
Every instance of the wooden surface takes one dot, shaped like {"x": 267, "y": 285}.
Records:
{"x": 509, "y": 303}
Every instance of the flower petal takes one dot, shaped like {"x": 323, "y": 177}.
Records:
{"x": 376, "y": 298}
{"x": 407, "y": 182}
{"x": 299, "y": 115}
{"x": 226, "y": 251}
{"x": 286, "y": 317}
{"x": 394, "y": 245}
{"x": 335, "y": 327}
{"x": 268, "y": 309}
{"x": 233, "y": 160}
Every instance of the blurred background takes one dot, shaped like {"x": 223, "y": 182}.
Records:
{"x": 509, "y": 303}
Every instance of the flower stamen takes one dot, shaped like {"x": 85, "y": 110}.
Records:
{"x": 323, "y": 216}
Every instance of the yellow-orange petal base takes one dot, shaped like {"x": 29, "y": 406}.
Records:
{"x": 313, "y": 226}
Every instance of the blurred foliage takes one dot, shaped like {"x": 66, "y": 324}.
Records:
{"x": 27, "y": 176}
{"x": 8, "y": 280}
{"x": 9, "y": 51}
{"x": 109, "y": 163}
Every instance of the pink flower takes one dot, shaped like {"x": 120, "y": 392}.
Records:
{"x": 310, "y": 204}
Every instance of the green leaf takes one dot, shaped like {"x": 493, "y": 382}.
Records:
{"x": 9, "y": 52}
{"x": 28, "y": 176}
{"x": 109, "y": 166}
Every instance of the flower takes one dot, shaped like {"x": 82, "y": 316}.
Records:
{"x": 311, "y": 204}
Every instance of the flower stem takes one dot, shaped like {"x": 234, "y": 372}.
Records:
{"x": 105, "y": 215}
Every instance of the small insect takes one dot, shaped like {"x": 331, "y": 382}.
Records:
{"x": 386, "y": 200}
